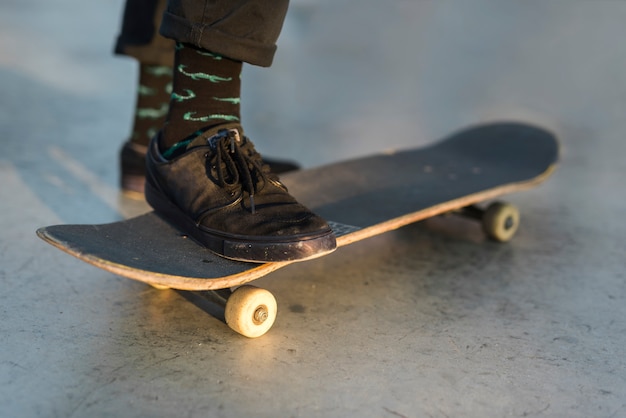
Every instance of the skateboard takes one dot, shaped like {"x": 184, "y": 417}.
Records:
{"x": 360, "y": 198}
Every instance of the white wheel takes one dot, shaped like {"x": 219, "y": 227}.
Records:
{"x": 250, "y": 311}
{"x": 500, "y": 221}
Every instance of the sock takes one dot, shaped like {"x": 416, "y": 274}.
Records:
{"x": 153, "y": 96}
{"x": 206, "y": 90}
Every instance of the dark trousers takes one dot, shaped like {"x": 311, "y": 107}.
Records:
{"x": 244, "y": 30}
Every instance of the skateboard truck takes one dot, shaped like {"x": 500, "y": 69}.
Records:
{"x": 500, "y": 220}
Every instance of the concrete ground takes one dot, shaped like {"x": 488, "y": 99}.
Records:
{"x": 427, "y": 321}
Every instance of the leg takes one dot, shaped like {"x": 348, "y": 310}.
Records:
{"x": 214, "y": 39}
{"x": 139, "y": 39}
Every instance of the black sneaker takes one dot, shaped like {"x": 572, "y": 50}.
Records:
{"x": 218, "y": 190}
{"x": 133, "y": 168}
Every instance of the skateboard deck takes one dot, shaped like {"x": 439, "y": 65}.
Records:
{"x": 360, "y": 198}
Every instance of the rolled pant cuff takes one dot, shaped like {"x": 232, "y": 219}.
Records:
{"x": 214, "y": 40}
{"x": 148, "y": 53}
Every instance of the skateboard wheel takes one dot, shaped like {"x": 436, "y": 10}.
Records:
{"x": 500, "y": 221}
{"x": 250, "y": 311}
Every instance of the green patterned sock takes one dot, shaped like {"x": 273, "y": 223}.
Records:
{"x": 206, "y": 90}
{"x": 153, "y": 96}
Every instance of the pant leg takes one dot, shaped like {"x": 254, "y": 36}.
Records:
{"x": 139, "y": 37}
{"x": 243, "y": 30}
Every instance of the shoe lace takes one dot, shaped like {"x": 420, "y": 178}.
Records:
{"x": 236, "y": 159}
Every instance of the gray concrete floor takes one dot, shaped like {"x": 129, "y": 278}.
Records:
{"x": 427, "y": 321}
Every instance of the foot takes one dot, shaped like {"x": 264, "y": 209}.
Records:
{"x": 218, "y": 190}
{"x": 133, "y": 168}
